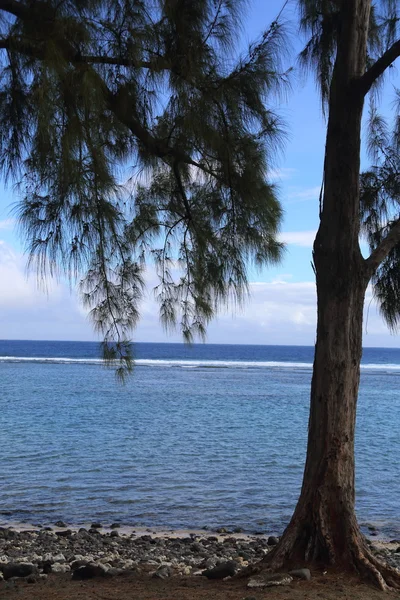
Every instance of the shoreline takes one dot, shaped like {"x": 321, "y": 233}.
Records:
{"x": 130, "y": 530}
{"x": 32, "y": 554}
{"x": 371, "y": 532}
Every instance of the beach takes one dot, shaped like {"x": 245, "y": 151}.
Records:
{"x": 118, "y": 562}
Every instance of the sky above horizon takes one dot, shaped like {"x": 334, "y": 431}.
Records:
{"x": 282, "y": 304}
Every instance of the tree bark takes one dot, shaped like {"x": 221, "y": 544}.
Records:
{"x": 323, "y": 530}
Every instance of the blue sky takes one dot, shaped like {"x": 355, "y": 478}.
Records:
{"x": 281, "y": 309}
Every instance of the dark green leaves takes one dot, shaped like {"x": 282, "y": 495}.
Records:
{"x": 100, "y": 89}
{"x": 380, "y": 211}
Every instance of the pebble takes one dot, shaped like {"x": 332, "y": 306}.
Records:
{"x": 270, "y": 580}
{"x": 226, "y": 569}
{"x": 60, "y": 568}
{"x": 49, "y": 552}
{"x": 89, "y": 572}
{"x": 64, "y": 533}
{"x": 272, "y": 540}
{"x": 14, "y": 569}
{"x": 94, "y": 553}
{"x": 162, "y": 573}
{"x": 301, "y": 574}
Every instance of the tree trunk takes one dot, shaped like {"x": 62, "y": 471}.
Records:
{"x": 323, "y": 530}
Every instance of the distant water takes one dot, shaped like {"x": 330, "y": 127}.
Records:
{"x": 209, "y": 435}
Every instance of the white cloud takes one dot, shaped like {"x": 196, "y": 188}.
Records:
{"x": 278, "y": 312}
{"x": 282, "y": 174}
{"x": 304, "y": 239}
{"x": 303, "y": 195}
{"x": 16, "y": 289}
{"x": 26, "y": 312}
{"x": 7, "y": 224}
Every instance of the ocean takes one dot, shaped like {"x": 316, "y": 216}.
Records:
{"x": 201, "y": 436}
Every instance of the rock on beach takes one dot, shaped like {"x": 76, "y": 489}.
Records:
{"x": 86, "y": 553}
{"x": 92, "y": 553}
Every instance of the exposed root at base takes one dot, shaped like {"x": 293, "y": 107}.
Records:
{"x": 360, "y": 561}
{"x": 253, "y": 570}
{"x": 380, "y": 574}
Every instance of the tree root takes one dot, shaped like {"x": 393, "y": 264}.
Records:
{"x": 356, "y": 559}
{"x": 377, "y": 572}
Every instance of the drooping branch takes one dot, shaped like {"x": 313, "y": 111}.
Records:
{"x": 117, "y": 103}
{"x": 97, "y": 83}
{"x": 157, "y": 65}
{"x": 379, "y": 67}
{"x": 21, "y": 46}
{"x": 383, "y": 249}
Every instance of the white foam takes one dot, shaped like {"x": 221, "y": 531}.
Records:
{"x": 49, "y": 359}
{"x": 193, "y": 364}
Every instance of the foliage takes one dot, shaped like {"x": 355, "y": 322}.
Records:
{"x": 380, "y": 210}
{"x": 91, "y": 89}
{"x": 380, "y": 185}
{"x": 319, "y": 21}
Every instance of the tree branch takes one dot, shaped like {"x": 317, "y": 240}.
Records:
{"x": 156, "y": 65}
{"x": 118, "y": 103}
{"x": 14, "y": 8}
{"x": 382, "y": 250}
{"x": 379, "y": 67}
{"x": 29, "y": 49}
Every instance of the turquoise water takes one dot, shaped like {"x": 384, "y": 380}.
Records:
{"x": 206, "y": 436}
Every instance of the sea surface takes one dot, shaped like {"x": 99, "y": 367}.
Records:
{"x": 208, "y": 435}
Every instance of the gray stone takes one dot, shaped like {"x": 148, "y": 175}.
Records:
{"x": 270, "y": 580}
{"x": 162, "y": 573}
{"x": 77, "y": 564}
{"x": 226, "y": 569}
{"x": 197, "y": 547}
{"x": 301, "y": 574}
{"x": 18, "y": 570}
{"x": 59, "y": 558}
{"x": 272, "y": 540}
{"x": 64, "y": 533}
{"x": 60, "y": 568}
{"x": 46, "y": 566}
{"x": 89, "y": 572}
{"x": 113, "y": 572}
{"x": 60, "y": 524}
{"x": 208, "y": 563}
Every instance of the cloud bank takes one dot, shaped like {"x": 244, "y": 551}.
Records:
{"x": 277, "y": 312}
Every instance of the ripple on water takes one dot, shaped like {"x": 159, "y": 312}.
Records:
{"x": 183, "y": 448}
